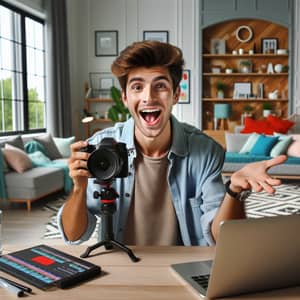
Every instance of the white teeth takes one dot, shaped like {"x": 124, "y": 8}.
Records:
{"x": 150, "y": 110}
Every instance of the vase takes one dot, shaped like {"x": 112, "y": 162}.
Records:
{"x": 220, "y": 94}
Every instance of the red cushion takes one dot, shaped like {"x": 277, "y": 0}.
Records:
{"x": 279, "y": 125}
{"x": 258, "y": 126}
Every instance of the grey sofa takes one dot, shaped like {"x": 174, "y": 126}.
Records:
{"x": 234, "y": 160}
{"x": 36, "y": 182}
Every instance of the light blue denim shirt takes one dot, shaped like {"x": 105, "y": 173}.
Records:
{"x": 194, "y": 179}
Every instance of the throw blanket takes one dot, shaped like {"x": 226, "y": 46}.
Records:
{"x": 36, "y": 152}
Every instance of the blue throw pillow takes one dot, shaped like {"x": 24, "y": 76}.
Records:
{"x": 263, "y": 145}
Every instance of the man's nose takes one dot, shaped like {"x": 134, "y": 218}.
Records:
{"x": 147, "y": 94}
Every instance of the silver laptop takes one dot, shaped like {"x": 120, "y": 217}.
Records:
{"x": 252, "y": 255}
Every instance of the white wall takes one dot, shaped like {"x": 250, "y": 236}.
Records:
{"x": 296, "y": 51}
{"x": 130, "y": 18}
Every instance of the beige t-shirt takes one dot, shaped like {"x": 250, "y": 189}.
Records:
{"x": 151, "y": 219}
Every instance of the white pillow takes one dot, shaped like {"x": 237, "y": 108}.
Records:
{"x": 63, "y": 145}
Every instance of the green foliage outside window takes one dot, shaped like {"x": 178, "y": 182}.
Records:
{"x": 35, "y": 108}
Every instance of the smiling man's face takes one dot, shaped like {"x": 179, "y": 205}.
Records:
{"x": 150, "y": 98}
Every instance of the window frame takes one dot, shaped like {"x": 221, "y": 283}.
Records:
{"x": 23, "y": 15}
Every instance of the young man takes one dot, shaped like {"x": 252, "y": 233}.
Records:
{"x": 174, "y": 193}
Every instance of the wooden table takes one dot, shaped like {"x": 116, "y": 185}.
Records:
{"x": 151, "y": 278}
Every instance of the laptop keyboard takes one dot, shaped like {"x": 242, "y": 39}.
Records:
{"x": 202, "y": 280}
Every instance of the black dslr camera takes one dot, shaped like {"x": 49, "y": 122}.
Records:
{"x": 108, "y": 160}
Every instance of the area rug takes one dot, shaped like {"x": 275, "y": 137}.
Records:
{"x": 285, "y": 201}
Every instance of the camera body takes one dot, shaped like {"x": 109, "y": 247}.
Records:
{"x": 108, "y": 160}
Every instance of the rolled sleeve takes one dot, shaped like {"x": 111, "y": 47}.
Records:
{"x": 92, "y": 220}
{"x": 206, "y": 221}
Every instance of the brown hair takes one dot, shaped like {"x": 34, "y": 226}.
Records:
{"x": 148, "y": 54}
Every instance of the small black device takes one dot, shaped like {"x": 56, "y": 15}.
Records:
{"x": 108, "y": 160}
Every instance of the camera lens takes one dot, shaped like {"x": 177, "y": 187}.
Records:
{"x": 104, "y": 164}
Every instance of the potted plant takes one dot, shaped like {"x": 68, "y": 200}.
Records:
{"x": 267, "y": 108}
{"x": 118, "y": 111}
{"x": 246, "y": 66}
{"x": 220, "y": 86}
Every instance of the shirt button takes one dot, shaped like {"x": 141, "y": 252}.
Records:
{"x": 127, "y": 195}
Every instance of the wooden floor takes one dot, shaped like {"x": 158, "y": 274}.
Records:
{"x": 22, "y": 227}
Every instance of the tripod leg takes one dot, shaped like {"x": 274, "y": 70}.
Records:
{"x": 91, "y": 248}
{"x": 126, "y": 249}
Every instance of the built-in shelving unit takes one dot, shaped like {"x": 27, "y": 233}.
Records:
{"x": 91, "y": 106}
{"x": 215, "y": 65}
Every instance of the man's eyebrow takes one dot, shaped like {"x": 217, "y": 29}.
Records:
{"x": 161, "y": 77}
{"x": 135, "y": 79}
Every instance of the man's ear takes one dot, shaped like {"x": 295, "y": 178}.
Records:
{"x": 176, "y": 95}
{"x": 124, "y": 98}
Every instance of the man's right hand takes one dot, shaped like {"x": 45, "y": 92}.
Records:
{"x": 78, "y": 165}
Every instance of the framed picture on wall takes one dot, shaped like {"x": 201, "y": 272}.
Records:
{"x": 106, "y": 43}
{"x": 184, "y": 97}
{"x": 155, "y": 35}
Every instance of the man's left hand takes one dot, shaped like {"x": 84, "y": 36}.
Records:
{"x": 254, "y": 176}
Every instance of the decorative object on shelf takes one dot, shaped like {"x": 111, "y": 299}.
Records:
{"x": 285, "y": 69}
{"x": 222, "y": 112}
{"x": 228, "y": 70}
{"x": 270, "y": 69}
{"x": 218, "y": 46}
{"x": 260, "y": 92}
{"x": 118, "y": 111}
{"x": 251, "y": 52}
{"x": 184, "y": 97}
{"x": 269, "y": 45}
{"x": 244, "y": 33}
{"x": 220, "y": 86}
{"x": 273, "y": 95}
{"x": 234, "y": 52}
{"x": 267, "y": 108}
{"x": 262, "y": 68}
{"x": 216, "y": 69}
{"x": 278, "y": 68}
{"x": 106, "y": 43}
{"x": 282, "y": 51}
{"x": 246, "y": 66}
{"x": 156, "y": 35}
{"x": 87, "y": 117}
{"x": 241, "y": 51}
{"x": 101, "y": 83}
{"x": 242, "y": 90}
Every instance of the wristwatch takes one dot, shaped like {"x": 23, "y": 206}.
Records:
{"x": 241, "y": 196}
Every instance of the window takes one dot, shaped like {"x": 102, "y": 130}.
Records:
{"x": 22, "y": 72}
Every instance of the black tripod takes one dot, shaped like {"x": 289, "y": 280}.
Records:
{"x": 108, "y": 207}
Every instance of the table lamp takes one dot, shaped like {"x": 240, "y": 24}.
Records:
{"x": 222, "y": 111}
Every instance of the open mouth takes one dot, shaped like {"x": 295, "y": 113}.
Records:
{"x": 150, "y": 115}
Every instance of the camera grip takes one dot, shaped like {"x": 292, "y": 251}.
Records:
{"x": 89, "y": 148}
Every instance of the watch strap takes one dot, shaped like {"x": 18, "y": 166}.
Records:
{"x": 229, "y": 191}
{"x": 241, "y": 196}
